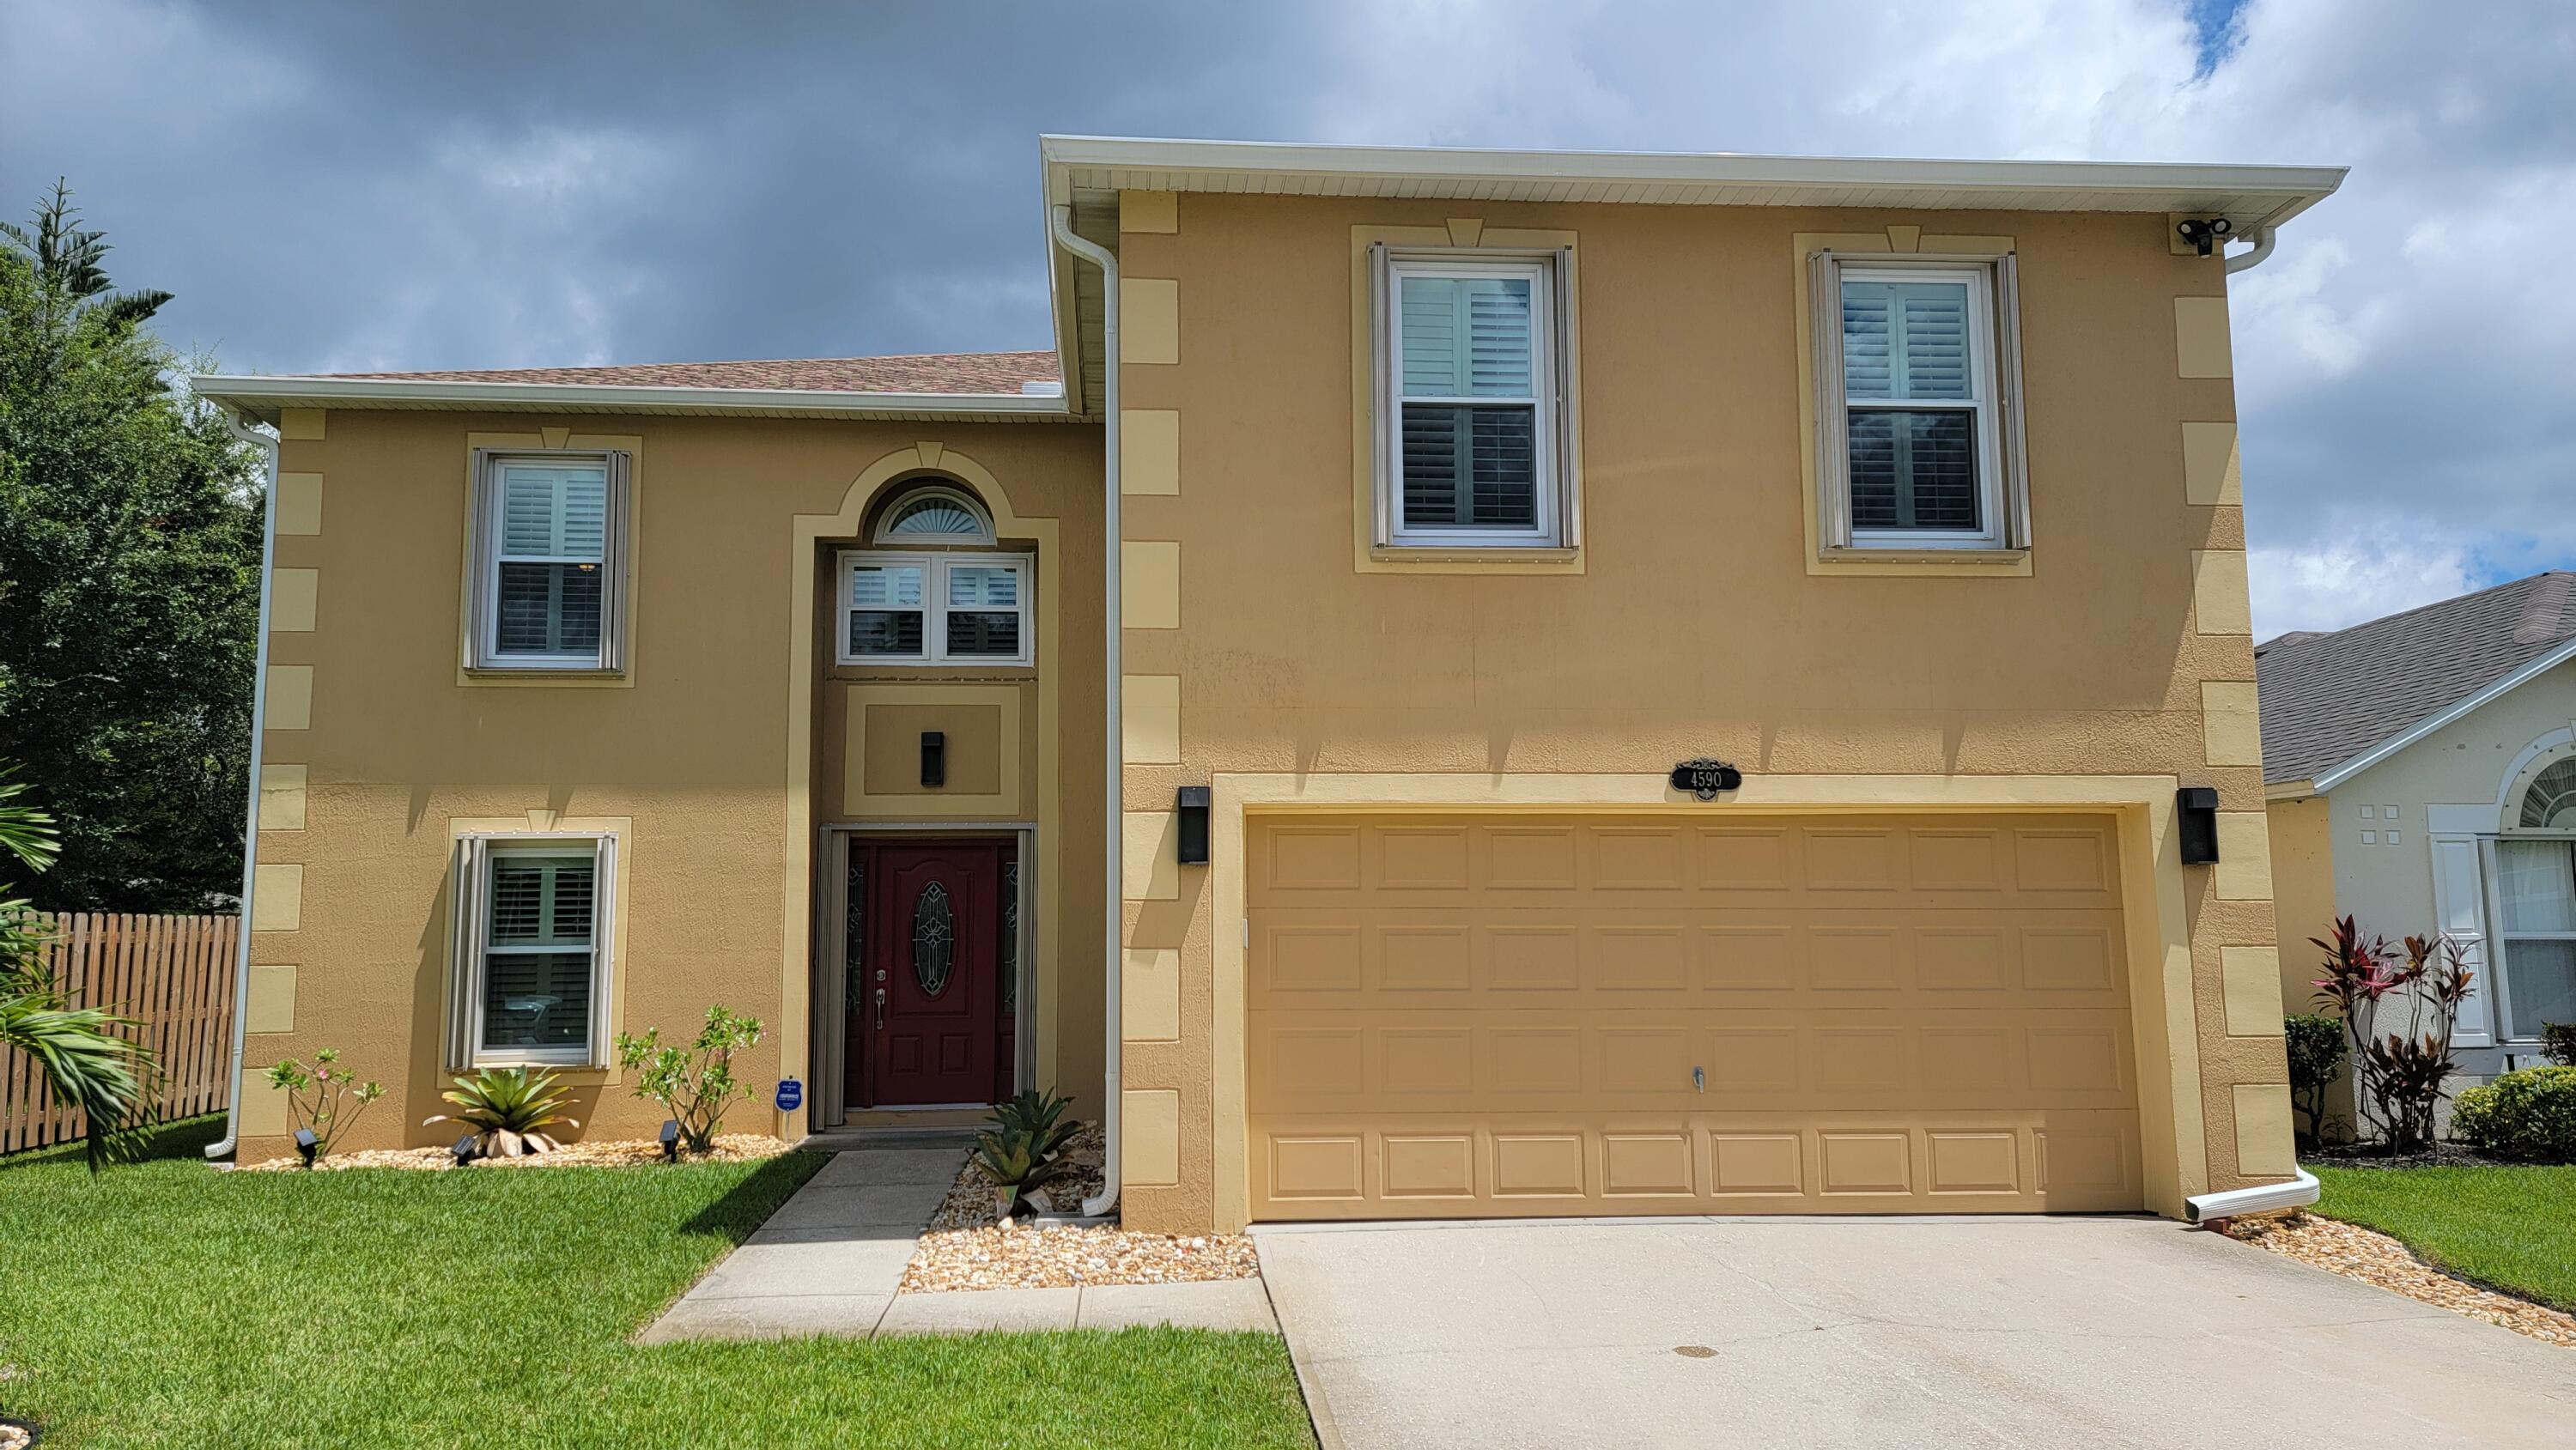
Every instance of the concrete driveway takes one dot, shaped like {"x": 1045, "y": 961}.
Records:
{"x": 2090, "y": 1332}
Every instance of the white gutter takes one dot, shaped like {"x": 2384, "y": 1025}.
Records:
{"x": 224, "y": 1146}
{"x": 1113, "y": 782}
{"x": 2237, "y": 1202}
{"x": 2264, "y": 237}
{"x": 417, "y": 392}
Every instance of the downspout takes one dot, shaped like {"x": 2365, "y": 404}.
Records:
{"x": 2264, "y": 237}
{"x": 225, "y": 1146}
{"x": 1113, "y": 797}
{"x": 2217, "y": 1208}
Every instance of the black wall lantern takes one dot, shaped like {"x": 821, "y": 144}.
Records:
{"x": 1193, "y": 809}
{"x": 934, "y": 757}
{"x": 2196, "y": 823}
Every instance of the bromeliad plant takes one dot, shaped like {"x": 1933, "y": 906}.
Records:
{"x": 509, "y": 1110}
{"x": 1024, "y": 1149}
{"x": 2398, "y": 1076}
{"x": 695, "y": 1085}
{"x": 324, "y": 1099}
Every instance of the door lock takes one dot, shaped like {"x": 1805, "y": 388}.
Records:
{"x": 881, "y": 1009}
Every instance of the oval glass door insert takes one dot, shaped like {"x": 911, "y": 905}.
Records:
{"x": 934, "y": 939}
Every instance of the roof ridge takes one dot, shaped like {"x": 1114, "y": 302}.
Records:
{"x": 2303, "y": 637}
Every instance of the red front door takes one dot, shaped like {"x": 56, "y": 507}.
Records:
{"x": 926, "y": 1009}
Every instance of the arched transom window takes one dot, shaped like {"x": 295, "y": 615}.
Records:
{"x": 937, "y": 514}
{"x": 2550, "y": 802}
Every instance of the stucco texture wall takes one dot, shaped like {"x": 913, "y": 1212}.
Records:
{"x": 693, "y": 749}
{"x": 1695, "y": 625}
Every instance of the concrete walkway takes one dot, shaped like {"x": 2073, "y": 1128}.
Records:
{"x": 831, "y": 1261}
{"x": 2097, "y": 1332}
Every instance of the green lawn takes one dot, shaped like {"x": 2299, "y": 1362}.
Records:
{"x": 168, "y": 1304}
{"x": 2511, "y": 1227}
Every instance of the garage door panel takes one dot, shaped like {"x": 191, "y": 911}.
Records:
{"x": 1877, "y": 957}
{"x": 1452, "y": 1061}
{"x": 1473, "y": 1016}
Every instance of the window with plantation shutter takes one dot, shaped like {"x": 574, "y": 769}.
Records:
{"x": 1471, "y": 436}
{"x": 1919, "y": 437}
{"x": 963, "y": 608}
{"x": 531, "y": 931}
{"x": 550, "y": 567}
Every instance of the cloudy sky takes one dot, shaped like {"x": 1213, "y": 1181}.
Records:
{"x": 358, "y": 186}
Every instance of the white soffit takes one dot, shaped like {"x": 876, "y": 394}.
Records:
{"x": 1088, "y": 169}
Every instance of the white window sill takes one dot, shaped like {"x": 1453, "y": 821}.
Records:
{"x": 1973, "y": 558}
{"x": 550, "y": 668}
{"x": 1473, "y": 553}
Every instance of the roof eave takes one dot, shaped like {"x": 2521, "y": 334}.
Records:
{"x": 262, "y": 396}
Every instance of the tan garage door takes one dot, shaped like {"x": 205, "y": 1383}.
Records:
{"x": 1457, "y": 1017}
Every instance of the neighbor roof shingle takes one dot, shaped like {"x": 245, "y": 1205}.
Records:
{"x": 942, "y": 372}
{"x": 2328, "y": 697}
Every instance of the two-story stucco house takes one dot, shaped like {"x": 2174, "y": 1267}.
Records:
{"x": 1466, "y": 683}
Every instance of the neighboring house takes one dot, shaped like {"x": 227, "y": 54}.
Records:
{"x": 1460, "y": 499}
{"x": 2422, "y": 779}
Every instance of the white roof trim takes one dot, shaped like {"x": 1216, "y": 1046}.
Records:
{"x": 2253, "y": 196}
{"x": 624, "y": 397}
{"x": 2458, "y": 709}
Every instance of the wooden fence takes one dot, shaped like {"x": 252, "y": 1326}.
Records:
{"x": 174, "y": 974}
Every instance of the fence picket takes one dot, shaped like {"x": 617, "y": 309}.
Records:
{"x": 173, "y": 974}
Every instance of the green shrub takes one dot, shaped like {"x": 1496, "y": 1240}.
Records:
{"x": 2528, "y": 1116}
{"x": 2317, "y": 1049}
{"x": 694, "y": 1085}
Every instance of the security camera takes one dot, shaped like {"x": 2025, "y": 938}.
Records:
{"x": 2204, "y": 236}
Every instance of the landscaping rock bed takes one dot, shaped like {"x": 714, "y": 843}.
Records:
{"x": 968, "y": 1247}
{"x": 623, "y": 1153}
{"x": 15, "y": 1436}
{"x": 2375, "y": 1258}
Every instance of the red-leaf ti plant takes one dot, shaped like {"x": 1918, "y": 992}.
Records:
{"x": 2398, "y": 1076}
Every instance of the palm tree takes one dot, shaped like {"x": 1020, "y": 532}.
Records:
{"x": 79, "y": 1048}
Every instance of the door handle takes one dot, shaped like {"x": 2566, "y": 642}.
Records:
{"x": 881, "y": 1009}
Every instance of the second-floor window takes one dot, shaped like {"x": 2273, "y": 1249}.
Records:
{"x": 961, "y": 601}
{"x": 1918, "y": 376}
{"x": 1468, "y": 412}
{"x": 549, "y": 561}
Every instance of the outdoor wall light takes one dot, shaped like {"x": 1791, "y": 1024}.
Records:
{"x": 670, "y": 1140}
{"x": 464, "y": 1150}
{"x": 934, "y": 757}
{"x": 307, "y": 1145}
{"x": 1193, "y": 809}
{"x": 2204, "y": 236}
{"x": 2196, "y": 824}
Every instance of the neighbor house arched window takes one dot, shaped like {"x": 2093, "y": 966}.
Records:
{"x": 2534, "y": 872}
{"x": 937, "y": 589}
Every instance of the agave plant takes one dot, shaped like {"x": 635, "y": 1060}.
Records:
{"x": 1016, "y": 1163}
{"x": 509, "y": 1109}
{"x": 1040, "y": 1114}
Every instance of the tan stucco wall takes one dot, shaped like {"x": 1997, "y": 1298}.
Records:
{"x": 1695, "y": 625}
{"x": 2303, "y": 892}
{"x": 694, "y": 753}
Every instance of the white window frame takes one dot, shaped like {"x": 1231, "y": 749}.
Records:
{"x": 483, "y": 612}
{"x": 1555, "y": 444}
{"x": 2500, "y": 954}
{"x": 935, "y": 569}
{"x": 1995, "y": 349}
{"x": 469, "y": 929}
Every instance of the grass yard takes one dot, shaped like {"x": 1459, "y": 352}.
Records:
{"x": 168, "y": 1304}
{"x": 2510, "y": 1227}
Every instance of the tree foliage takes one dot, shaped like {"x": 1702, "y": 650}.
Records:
{"x": 129, "y": 584}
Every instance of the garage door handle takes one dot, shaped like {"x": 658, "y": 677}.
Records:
{"x": 1699, "y": 1080}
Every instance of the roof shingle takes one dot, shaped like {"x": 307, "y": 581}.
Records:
{"x": 946, "y": 372}
{"x": 2327, "y": 697}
